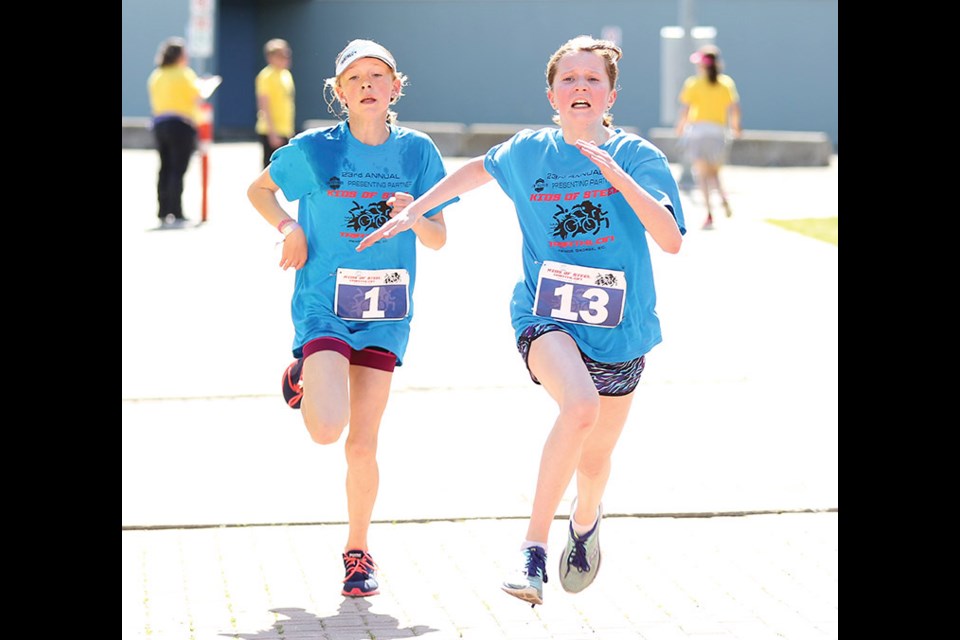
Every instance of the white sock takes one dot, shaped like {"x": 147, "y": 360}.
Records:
{"x": 581, "y": 529}
{"x": 530, "y": 543}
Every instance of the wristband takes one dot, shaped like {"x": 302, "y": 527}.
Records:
{"x": 287, "y": 226}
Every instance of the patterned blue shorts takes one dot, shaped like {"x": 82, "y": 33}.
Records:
{"x": 610, "y": 378}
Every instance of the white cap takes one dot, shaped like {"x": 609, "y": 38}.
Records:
{"x": 363, "y": 49}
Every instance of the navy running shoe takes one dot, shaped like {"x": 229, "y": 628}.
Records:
{"x": 292, "y": 384}
{"x": 361, "y": 574}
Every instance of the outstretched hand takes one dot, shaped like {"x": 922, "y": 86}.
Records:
{"x": 398, "y": 202}
{"x": 400, "y": 220}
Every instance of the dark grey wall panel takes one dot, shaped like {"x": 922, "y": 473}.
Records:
{"x": 473, "y": 61}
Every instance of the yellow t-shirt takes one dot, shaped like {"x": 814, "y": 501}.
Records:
{"x": 174, "y": 92}
{"x": 277, "y": 85}
{"x": 709, "y": 102}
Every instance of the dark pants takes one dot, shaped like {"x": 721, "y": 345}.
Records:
{"x": 176, "y": 142}
{"x": 268, "y": 149}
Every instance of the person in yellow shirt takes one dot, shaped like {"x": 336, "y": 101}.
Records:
{"x": 175, "y": 96}
{"x": 709, "y": 105}
{"x": 275, "y": 98}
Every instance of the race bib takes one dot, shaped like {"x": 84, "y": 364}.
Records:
{"x": 381, "y": 294}
{"x": 581, "y": 295}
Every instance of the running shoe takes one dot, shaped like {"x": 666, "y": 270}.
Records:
{"x": 580, "y": 562}
{"x": 292, "y": 384}
{"x": 361, "y": 574}
{"x": 529, "y": 585}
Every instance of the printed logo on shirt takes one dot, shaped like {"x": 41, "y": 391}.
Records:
{"x": 366, "y": 218}
{"x": 581, "y": 219}
{"x": 362, "y": 217}
{"x": 368, "y": 182}
{"x": 580, "y": 216}
{"x": 554, "y": 187}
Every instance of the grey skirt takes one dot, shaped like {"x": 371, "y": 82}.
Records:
{"x": 706, "y": 141}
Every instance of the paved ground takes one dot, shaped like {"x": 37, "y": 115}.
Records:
{"x": 723, "y": 505}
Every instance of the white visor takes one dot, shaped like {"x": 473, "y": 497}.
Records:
{"x": 363, "y": 49}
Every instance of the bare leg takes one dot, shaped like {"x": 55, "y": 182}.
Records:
{"x": 555, "y": 360}
{"x": 329, "y": 404}
{"x": 702, "y": 170}
{"x": 722, "y": 192}
{"x": 370, "y": 389}
{"x": 593, "y": 471}
{"x": 325, "y": 406}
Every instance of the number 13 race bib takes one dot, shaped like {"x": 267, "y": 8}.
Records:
{"x": 582, "y": 295}
{"x": 372, "y": 295}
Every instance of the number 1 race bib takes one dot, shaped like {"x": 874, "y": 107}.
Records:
{"x": 582, "y": 295}
{"x": 372, "y": 295}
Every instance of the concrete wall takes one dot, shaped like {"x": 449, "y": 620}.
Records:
{"x": 482, "y": 61}
{"x": 757, "y": 148}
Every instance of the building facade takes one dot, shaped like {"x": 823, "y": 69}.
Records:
{"x": 483, "y": 61}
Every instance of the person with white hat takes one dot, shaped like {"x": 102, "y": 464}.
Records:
{"x": 351, "y": 311}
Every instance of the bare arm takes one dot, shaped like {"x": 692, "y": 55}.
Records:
{"x": 263, "y": 196}
{"x": 735, "y": 119}
{"x": 470, "y": 176}
{"x": 682, "y": 119}
{"x": 657, "y": 219}
{"x": 263, "y": 103}
{"x": 432, "y": 231}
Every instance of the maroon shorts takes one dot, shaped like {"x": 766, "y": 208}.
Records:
{"x": 373, "y": 357}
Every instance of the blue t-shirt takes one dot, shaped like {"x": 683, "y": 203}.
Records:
{"x": 569, "y": 214}
{"x": 342, "y": 186}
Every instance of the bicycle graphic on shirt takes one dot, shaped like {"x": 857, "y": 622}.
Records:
{"x": 581, "y": 219}
{"x": 372, "y": 217}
